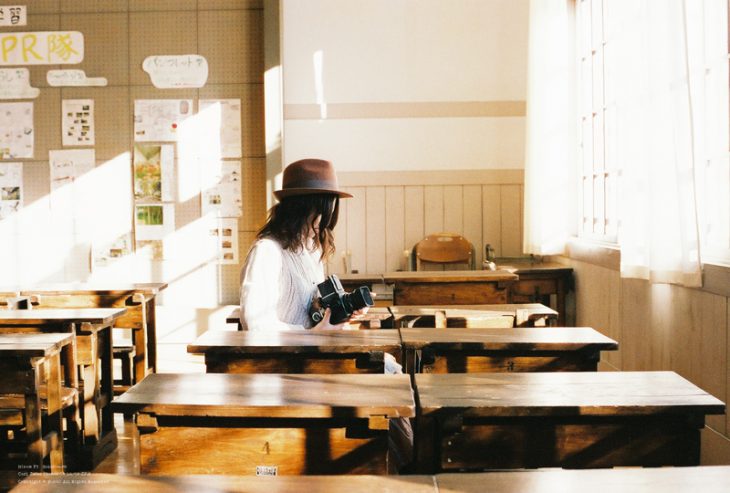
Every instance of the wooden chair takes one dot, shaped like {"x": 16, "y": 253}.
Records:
{"x": 445, "y": 249}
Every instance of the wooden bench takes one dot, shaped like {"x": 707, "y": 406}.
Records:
{"x": 503, "y": 350}
{"x": 480, "y": 421}
{"x": 296, "y": 351}
{"x": 93, "y": 329}
{"x": 39, "y": 378}
{"x": 266, "y": 424}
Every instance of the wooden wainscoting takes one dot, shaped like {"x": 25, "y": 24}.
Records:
{"x": 391, "y": 211}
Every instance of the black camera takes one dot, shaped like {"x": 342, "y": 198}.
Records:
{"x": 341, "y": 304}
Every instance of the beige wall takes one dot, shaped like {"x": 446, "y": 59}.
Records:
{"x": 662, "y": 327}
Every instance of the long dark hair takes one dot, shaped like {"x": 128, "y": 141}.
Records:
{"x": 291, "y": 219}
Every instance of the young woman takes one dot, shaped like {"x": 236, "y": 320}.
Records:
{"x": 285, "y": 264}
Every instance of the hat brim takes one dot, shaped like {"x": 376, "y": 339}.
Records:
{"x": 290, "y": 192}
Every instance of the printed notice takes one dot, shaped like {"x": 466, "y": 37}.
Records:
{"x": 228, "y": 118}
{"x": 77, "y": 122}
{"x": 72, "y": 78}
{"x": 16, "y": 130}
{"x": 11, "y": 188}
{"x": 223, "y": 233}
{"x": 67, "y": 195}
{"x": 160, "y": 119}
{"x": 153, "y": 172}
{"x": 15, "y": 84}
{"x": 153, "y": 222}
{"x": 41, "y": 48}
{"x": 221, "y": 194}
{"x": 176, "y": 71}
{"x": 13, "y": 15}
{"x": 68, "y": 165}
{"x": 104, "y": 254}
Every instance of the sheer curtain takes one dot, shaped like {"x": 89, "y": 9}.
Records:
{"x": 655, "y": 136}
{"x": 550, "y": 209}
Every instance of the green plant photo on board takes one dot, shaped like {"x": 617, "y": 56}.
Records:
{"x": 148, "y": 172}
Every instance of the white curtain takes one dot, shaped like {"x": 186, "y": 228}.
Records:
{"x": 655, "y": 136}
{"x": 551, "y": 145}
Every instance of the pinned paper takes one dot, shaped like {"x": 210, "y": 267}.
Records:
{"x": 77, "y": 122}
{"x": 223, "y": 237}
{"x": 11, "y": 188}
{"x": 105, "y": 253}
{"x": 15, "y": 84}
{"x": 73, "y": 78}
{"x": 153, "y": 172}
{"x": 13, "y": 15}
{"x": 221, "y": 195}
{"x": 16, "y": 130}
{"x": 176, "y": 71}
{"x": 41, "y": 48}
{"x": 228, "y": 122}
{"x": 159, "y": 119}
{"x": 153, "y": 222}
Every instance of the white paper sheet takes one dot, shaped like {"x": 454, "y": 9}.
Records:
{"x": 154, "y": 172}
{"x": 16, "y": 130}
{"x": 154, "y": 221}
{"x": 158, "y": 120}
{"x": 77, "y": 122}
{"x": 73, "y": 78}
{"x": 176, "y": 71}
{"x": 66, "y": 167}
{"x": 69, "y": 164}
{"x": 221, "y": 195}
{"x": 230, "y": 125}
{"x": 11, "y": 188}
{"x": 223, "y": 235}
{"x": 15, "y": 84}
{"x": 41, "y": 48}
{"x": 108, "y": 253}
{"x": 13, "y": 15}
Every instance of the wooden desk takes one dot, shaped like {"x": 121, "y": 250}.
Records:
{"x": 31, "y": 365}
{"x": 94, "y": 361}
{"x": 705, "y": 479}
{"x": 291, "y": 424}
{"x": 484, "y": 316}
{"x": 572, "y": 420}
{"x": 296, "y": 351}
{"x": 139, "y": 299}
{"x": 376, "y": 318}
{"x": 538, "y": 282}
{"x": 459, "y": 287}
{"x": 503, "y": 350}
{"x": 228, "y": 484}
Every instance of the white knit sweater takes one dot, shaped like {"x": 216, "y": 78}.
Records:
{"x": 277, "y": 286}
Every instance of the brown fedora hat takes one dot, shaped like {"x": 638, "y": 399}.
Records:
{"x": 309, "y": 176}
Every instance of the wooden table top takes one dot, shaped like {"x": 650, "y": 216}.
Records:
{"x": 270, "y": 395}
{"x": 60, "y": 315}
{"x": 431, "y": 276}
{"x": 564, "y": 394}
{"x": 525, "y": 266}
{"x": 151, "y": 288}
{"x": 457, "y": 310}
{"x": 516, "y": 339}
{"x": 115, "y": 483}
{"x": 705, "y": 479}
{"x": 33, "y": 345}
{"x": 296, "y": 341}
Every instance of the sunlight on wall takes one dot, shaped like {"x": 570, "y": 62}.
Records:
{"x": 318, "y": 64}
{"x": 198, "y": 145}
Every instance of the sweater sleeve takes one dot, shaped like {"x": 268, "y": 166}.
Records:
{"x": 261, "y": 290}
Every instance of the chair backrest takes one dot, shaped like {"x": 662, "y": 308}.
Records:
{"x": 444, "y": 249}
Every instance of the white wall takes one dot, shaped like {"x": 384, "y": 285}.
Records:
{"x": 405, "y": 84}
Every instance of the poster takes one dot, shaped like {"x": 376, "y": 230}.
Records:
{"x": 69, "y": 164}
{"x": 77, "y": 122}
{"x": 176, "y": 71}
{"x": 106, "y": 253}
{"x": 222, "y": 195}
{"x": 229, "y": 111}
{"x": 153, "y": 172}
{"x": 16, "y": 130}
{"x": 13, "y": 15}
{"x": 41, "y": 48}
{"x": 153, "y": 222}
{"x": 11, "y": 188}
{"x": 223, "y": 234}
{"x": 159, "y": 119}
{"x": 15, "y": 84}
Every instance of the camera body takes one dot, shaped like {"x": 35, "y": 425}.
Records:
{"x": 342, "y": 304}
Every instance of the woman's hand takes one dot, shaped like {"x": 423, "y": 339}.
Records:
{"x": 325, "y": 324}
{"x": 364, "y": 310}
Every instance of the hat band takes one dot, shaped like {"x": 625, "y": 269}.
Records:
{"x": 314, "y": 184}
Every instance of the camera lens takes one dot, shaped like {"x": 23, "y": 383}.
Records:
{"x": 359, "y": 298}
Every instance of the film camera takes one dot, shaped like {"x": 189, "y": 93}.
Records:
{"x": 341, "y": 304}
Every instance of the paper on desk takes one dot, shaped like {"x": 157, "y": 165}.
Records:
{"x": 16, "y": 130}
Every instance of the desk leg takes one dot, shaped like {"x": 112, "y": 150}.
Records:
{"x": 33, "y": 424}
{"x": 72, "y": 414}
{"x": 141, "y": 363}
{"x": 55, "y": 417}
{"x": 151, "y": 335}
{"x": 107, "y": 379}
{"x": 88, "y": 358}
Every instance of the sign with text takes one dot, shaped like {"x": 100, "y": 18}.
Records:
{"x": 176, "y": 71}
{"x": 41, "y": 48}
{"x": 72, "y": 78}
{"x": 13, "y": 15}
